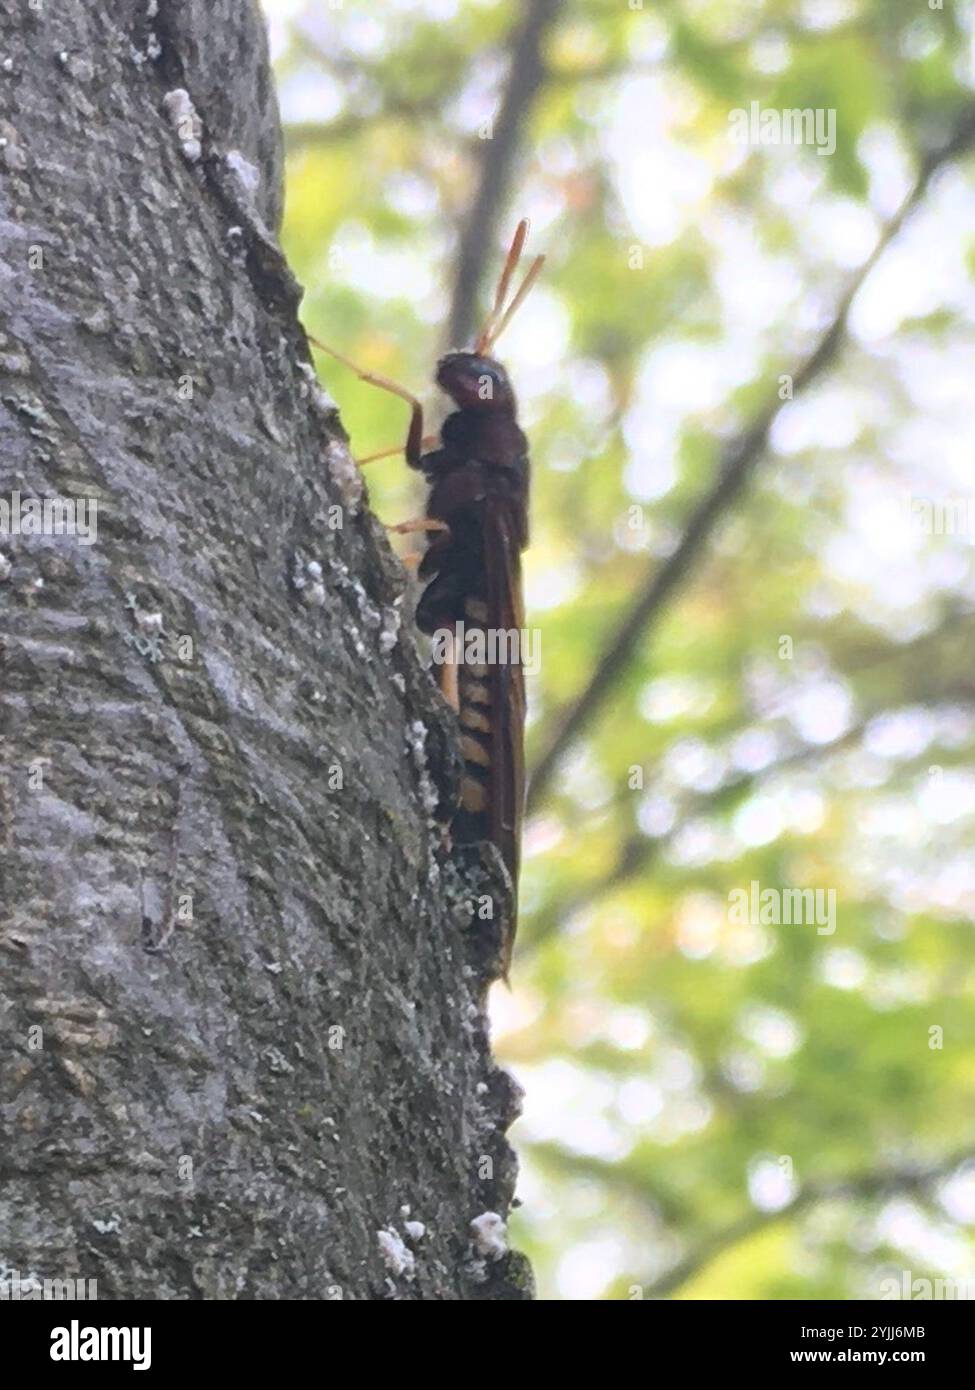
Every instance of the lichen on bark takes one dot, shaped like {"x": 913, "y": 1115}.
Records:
{"x": 242, "y": 1023}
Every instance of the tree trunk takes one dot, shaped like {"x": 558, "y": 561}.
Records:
{"x": 242, "y": 970}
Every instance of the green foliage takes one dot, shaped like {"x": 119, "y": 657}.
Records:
{"x": 749, "y": 1097}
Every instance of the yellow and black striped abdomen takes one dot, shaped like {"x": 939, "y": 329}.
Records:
{"x": 476, "y": 731}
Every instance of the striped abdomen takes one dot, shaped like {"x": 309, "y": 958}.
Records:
{"x": 475, "y": 715}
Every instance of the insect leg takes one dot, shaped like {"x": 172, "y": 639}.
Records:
{"x": 413, "y": 447}
{"x": 449, "y": 684}
{"x": 427, "y": 442}
{"x": 419, "y": 523}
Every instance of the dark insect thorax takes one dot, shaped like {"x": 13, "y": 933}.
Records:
{"x": 482, "y": 465}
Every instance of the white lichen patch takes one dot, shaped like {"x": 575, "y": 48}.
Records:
{"x": 417, "y": 740}
{"x": 31, "y": 406}
{"x": 344, "y": 472}
{"x": 77, "y": 66}
{"x": 99, "y": 321}
{"x": 185, "y": 121}
{"x": 151, "y": 632}
{"x": 306, "y": 576}
{"x": 149, "y": 622}
{"x": 246, "y": 174}
{"x": 399, "y": 1260}
{"x": 490, "y": 1235}
{"x": 368, "y": 612}
{"x": 342, "y": 467}
{"x": 415, "y": 1230}
{"x": 345, "y": 581}
{"x": 105, "y": 1228}
{"x": 6, "y": 565}
{"x": 365, "y": 610}
{"x": 391, "y": 622}
{"x": 11, "y": 153}
{"x": 313, "y": 390}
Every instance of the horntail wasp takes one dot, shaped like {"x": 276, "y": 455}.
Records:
{"x": 477, "y": 520}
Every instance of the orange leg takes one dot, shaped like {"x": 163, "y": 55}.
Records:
{"x": 413, "y": 447}
{"x": 420, "y": 523}
{"x": 427, "y": 442}
{"x": 447, "y": 677}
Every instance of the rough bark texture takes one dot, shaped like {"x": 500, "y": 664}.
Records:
{"x": 241, "y": 982}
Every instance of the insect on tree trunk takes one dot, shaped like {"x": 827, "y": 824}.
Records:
{"x": 477, "y": 516}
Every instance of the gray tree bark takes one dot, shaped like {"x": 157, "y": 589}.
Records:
{"x": 242, "y": 970}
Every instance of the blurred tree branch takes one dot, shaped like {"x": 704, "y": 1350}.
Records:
{"x": 301, "y": 135}
{"x": 671, "y": 1207}
{"x": 738, "y": 462}
{"x": 304, "y": 135}
{"x": 871, "y": 1183}
{"x": 526, "y": 76}
{"x": 639, "y": 850}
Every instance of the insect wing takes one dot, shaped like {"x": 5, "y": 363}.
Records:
{"x": 503, "y": 532}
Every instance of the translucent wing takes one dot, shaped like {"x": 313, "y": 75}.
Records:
{"x": 504, "y": 536}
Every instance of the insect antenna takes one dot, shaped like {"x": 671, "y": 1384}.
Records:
{"x": 498, "y": 328}
{"x": 504, "y": 280}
